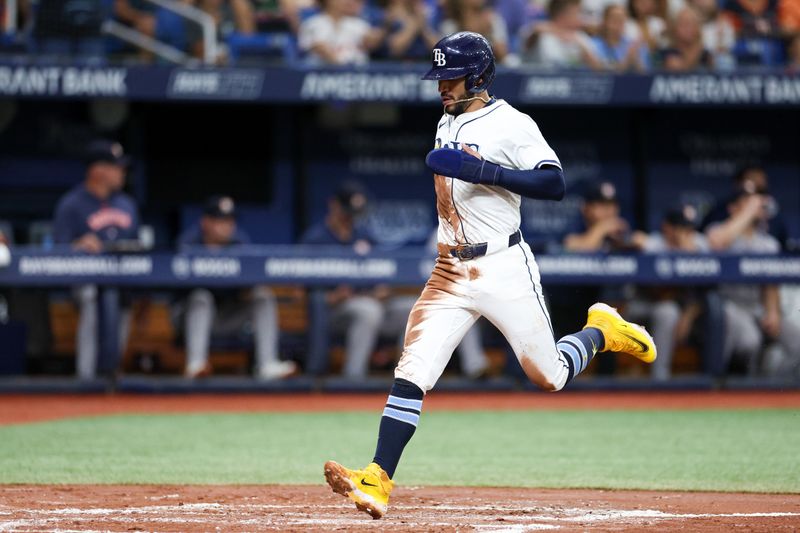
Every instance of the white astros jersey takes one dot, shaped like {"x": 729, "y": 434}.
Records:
{"x": 500, "y": 134}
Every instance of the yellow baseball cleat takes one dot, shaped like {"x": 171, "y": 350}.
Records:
{"x": 621, "y": 336}
{"x": 369, "y": 488}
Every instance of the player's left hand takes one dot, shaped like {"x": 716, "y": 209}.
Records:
{"x": 458, "y": 164}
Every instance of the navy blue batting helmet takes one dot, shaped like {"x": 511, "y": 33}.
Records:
{"x": 463, "y": 55}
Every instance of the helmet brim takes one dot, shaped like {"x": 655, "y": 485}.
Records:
{"x": 440, "y": 73}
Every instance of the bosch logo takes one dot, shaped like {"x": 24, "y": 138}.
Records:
{"x": 438, "y": 57}
{"x": 664, "y": 268}
{"x": 181, "y": 267}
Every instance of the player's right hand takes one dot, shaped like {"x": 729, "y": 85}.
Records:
{"x": 89, "y": 243}
{"x": 756, "y": 206}
{"x": 614, "y": 227}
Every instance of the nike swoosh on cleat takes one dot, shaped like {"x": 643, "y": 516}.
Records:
{"x": 367, "y": 484}
{"x": 642, "y": 345}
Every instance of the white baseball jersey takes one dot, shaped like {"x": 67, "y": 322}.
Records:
{"x": 503, "y": 286}
{"x": 477, "y": 213}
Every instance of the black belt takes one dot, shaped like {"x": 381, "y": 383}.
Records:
{"x": 465, "y": 252}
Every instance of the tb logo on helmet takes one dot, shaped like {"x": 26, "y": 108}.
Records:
{"x": 465, "y": 55}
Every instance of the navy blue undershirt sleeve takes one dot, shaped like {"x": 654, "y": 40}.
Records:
{"x": 544, "y": 183}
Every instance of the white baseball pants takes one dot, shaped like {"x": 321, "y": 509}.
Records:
{"x": 505, "y": 287}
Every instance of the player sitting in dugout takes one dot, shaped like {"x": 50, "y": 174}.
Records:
{"x": 753, "y": 313}
{"x": 670, "y": 312}
{"x": 601, "y": 228}
{"x": 92, "y": 217}
{"x": 356, "y": 314}
{"x": 228, "y": 312}
{"x": 598, "y": 228}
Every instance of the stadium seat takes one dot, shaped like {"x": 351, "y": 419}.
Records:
{"x": 69, "y": 29}
{"x": 262, "y": 48}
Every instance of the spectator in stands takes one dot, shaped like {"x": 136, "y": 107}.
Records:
{"x": 753, "y": 18}
{"x": 758, "y": 31}
{"x": 368, "y": 11}
{"x": 410, "y": 34}
{"x": 645, "y": 24}
{"x": 515, "y": 14}
{"x": 280, "y": 15}
{"x": 601, "y": 228}
{"x": 69, "y": 27}
{"x": 559, "y": 42}
{"x": 789, "y": 17}
{"x": 138, "y": 14}
{"x": 613, "y": 49}
{"x": 356, "y": 313}
{"x": 229, "y": 312}
{"x": 336, "y": 37}
{"x": 91, "y": 217}
{"x": 686, "y": 50}
{"x": 23, "y": 17}
{"x": 592, "y": 14}
{"x": 752, "y": 179}
{"x": 719, "y": 37}
{"x": 479, "y": 17}
{"x": 230, "y": 17}
{"x": 752, "y": 312}
{"x": 670, "y": 312}
{"x": 793, "y": 55}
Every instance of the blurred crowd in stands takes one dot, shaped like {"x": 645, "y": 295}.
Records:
{"x": 609, "y": 35}
{"x": 758, "y": 325}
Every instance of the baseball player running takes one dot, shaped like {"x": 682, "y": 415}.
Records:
{"x": 487, "y": 155}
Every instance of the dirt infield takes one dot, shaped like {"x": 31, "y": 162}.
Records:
{"x": 315, "y": 508}
{"x": 272, "y": 508}
{"x": 16, "y": 409}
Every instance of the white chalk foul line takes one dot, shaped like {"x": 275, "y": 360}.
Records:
{"x": 597, "y": 516}
{"x": 516, "y": 528}
{"x": 520, "y": 519}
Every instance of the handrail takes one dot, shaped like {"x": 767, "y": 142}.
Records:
{"x": 127, "y": 34}
{"x": 206, "y": 21}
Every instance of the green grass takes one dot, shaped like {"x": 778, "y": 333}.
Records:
{"x": 753, "y": 450}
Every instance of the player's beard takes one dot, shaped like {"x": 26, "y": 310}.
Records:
{"x": 462, "y": 102}
{"x": 458, "y": 107}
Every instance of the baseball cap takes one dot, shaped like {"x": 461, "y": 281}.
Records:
{"x": 103, "y": 150}
{"x": 682, "y": 215}
{"x": 352, "y": 197}
{"x": 603, "y": 191}
{"x": 220, "y": 207}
